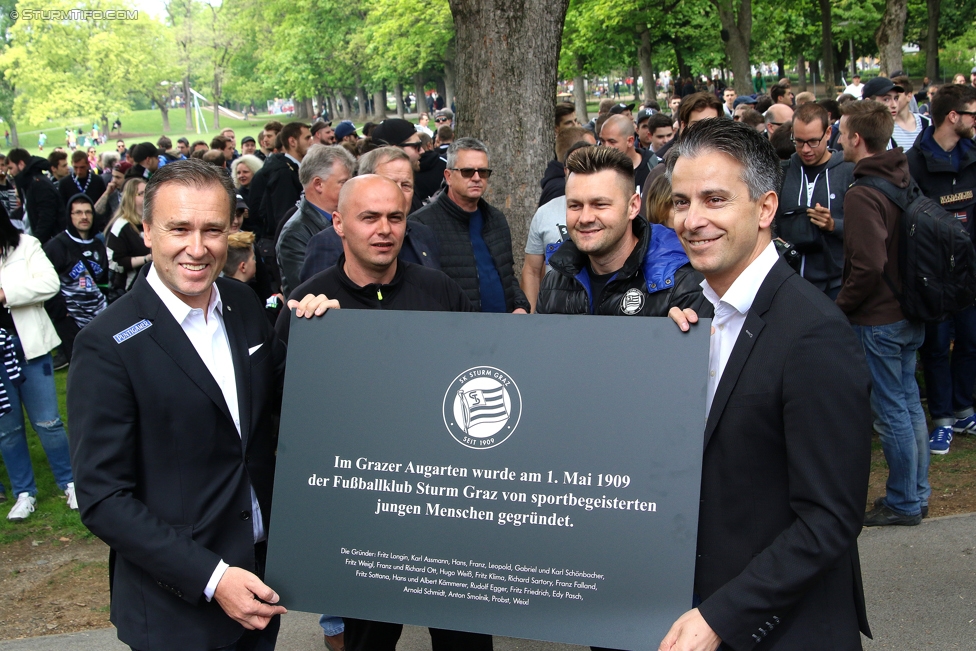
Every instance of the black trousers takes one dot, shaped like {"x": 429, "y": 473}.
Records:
{"x": 365, "y": 635}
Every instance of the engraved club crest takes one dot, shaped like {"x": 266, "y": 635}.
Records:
{"x": 632, "y": 302}
{"x": 482, "y": 407}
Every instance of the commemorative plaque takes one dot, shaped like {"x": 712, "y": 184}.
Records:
{"x": 526, "y": 476}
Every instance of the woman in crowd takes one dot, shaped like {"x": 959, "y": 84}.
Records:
{"x": 244, "y": 170}
{"x": 27, "y": 336}
{"x": 127, "y": 252}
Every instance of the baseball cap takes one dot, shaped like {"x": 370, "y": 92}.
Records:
{"x": 644, "y": 113}
{"x": 879, "y": 86}
{"x": 246, "y": 139}
{"x": 241, "y": 204}
{"x": 319, "y": 125}
{"x": 617, "y": 109}
{"x": 444, "y": 112}
{"x": 345, "y": 128}
{"x": 744, "y": 99}
{"x": 392, "y": 132}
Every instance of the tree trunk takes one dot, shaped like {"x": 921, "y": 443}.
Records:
{"x": 418, "y": 91}
{"x": 450, "y": 84}
{"x": 579, "y": 92}
{"x": 891, "y": 35}
{"x": 309, "y": 108}
{"x": 164, "y": 109}
{"x": 932, "y": 40}
{"x": 188, "y": 103}
{"x": 398, "y": 93}
{"x": 323, "y": 107}
{"x": 801, "y": 68}
{"x": 361, "y": 96}
{"x": 737, "y": 21}
{"x": 14, "y": 138}
{"x": 646, "y": 65}
{"x": 347, "y": 103}
{"x": 507, "y": 59}
{"x": 379, "y": 104}
{"x": 781, "y": 66}
{"x": 827, "y": 37}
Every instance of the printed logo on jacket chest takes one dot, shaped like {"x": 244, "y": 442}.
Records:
{"x": 632, "y": 302}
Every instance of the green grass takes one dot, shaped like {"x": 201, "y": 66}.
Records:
{"x": 52, "y": 517}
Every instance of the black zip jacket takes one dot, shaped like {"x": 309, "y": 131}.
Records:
{"x": 42, "y": 201}
{"x": 655, "y": 277}
{"x": 939, "y": 180}
{"x": 413, "y": 287}
{"x": 553, "y": 182}
{"x": 450, "y": 226}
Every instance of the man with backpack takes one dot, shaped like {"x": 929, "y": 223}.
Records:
{"x": 943, "y": 163}
{"x": 868, "y": 298}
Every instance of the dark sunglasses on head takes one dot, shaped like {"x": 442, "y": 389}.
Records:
{"x": 469, "y": 172}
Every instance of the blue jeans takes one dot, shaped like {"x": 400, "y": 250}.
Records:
{"x": 949, "y": 385}
{"x": 890, "y": 352}
{"x": 38, "y": 395}
{"x": 331, "y": 625}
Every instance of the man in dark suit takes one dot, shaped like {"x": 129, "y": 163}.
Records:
{"x": 787, "y": 435}
{"x": 172, "y": 399}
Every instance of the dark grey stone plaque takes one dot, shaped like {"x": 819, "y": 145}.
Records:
{"x": 526, "y": 476}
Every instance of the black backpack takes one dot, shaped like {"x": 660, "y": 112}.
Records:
{"x": 936, "y": 258}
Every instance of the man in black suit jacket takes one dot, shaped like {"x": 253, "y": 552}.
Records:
{"x": 787, "y": 435}
{"x": 173, "y": 397}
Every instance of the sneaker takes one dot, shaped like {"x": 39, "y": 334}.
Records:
{"x": 23, "y": 508}
{"x": 59, "y": 359}
{"x": 939, "y": 440}
{"x": 878, "y": 503}
{"x": 965, "y": 425}
{"x": 884, "y": 516}
{"x": 72, "y": 498}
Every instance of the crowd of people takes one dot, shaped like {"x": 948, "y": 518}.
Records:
{"x": 776, "y": 215}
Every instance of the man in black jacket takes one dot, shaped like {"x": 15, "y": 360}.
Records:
{"x": 474, "y": 239}
{"x": 43, "y": 208}
{"x": 324, "y": 170}
{"x": 282, "y": 187}
{"x": 82, "y": 180}
{"x": 943, "y": 163}
{"x": 615, "y": 264}
{"x": 787, "y": 440}
{"x": 371, "y": 220}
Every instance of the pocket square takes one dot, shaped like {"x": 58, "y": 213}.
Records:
{"x": 253, "y": 349}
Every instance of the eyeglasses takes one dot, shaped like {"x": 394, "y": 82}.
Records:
{"x": 415, "y": 145}
{"x": 812, "y": 144}
{"x": 469, "y": 172}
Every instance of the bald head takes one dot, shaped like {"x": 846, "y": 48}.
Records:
{"x": 372, "y": 222}
{"x": 776, "y": 115}
{"x": 360, "y": 191}
{"x": 618, "y": 132}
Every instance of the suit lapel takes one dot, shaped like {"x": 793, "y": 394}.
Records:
{"x": 237, "y": 339}
{"x": 748, "y": 336}
{"x": 168, "y": 334}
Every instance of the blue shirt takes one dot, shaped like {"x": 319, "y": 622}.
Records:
{"x": 489, "y": 282}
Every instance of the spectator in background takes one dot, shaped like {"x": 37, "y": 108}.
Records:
{"x": 58, "y": 161}
{"x": 198, "y": 146}
{"x": 753, "y": 118}
{"x": 776, "y": 116}
{"x": 241, "y": 262}
{"x": 127, "y": 252}
{"x": 43, "y": 208}
{"x": 814, "y": 186}
{"x": 659, "y": 130}
{"x": 93, "y": 160}
{"x": 908, "y": 125}
{"x": 164, "y": 145}
{"x": 322, "y": 133}
{"x": 249, "y": 147}
{"x": 473, "y": 237}
{"x": 107, "y": 163}
{"x": 444, "y": 137}
{"x": 8, "y": 195}
{"x": 81, "y": 262}
{"x": 422, "y": 121}
{"x": 225, "y": 145}
{"x": 889, "y": 340}
{"x": 943, "y": 163}
{"x": 855, "y": 87}
{"x": 229, "y": 134}
{"x": 554, "y": 181}
{"x": 183, "y": 148}
{"x": 805, "y": 97}
{"x": 146, "y": 159}
{"x": 782, "y": 142}
{"x": 244, "y": 169}
{"x": 108, "y": 204}
{"x": 27, "y": 280}
{"x": 83, "y": 180}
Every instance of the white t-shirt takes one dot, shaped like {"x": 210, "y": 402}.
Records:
{"x": 548, "y": 227}
{"x": 855, "y": 90}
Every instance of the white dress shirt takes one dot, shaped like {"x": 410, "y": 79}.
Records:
{"x": 730, "y": 313}
{"x": 207, "y": 333}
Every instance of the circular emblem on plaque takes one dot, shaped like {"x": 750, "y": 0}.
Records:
{"x": 482, "y": 407}
{"x": 632, "y": 302}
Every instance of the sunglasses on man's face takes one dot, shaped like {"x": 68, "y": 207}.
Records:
{"x": 414, "y": 145}
{"x": 439, "y": 120}
{"x": 469, "y": 172}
